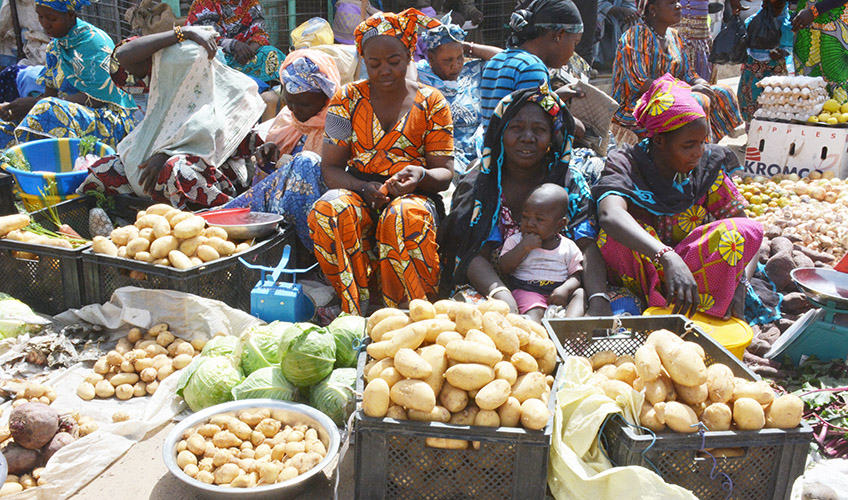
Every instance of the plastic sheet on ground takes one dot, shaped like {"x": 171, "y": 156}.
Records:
{"x": 831, "y": 473}
{"x": 188, "y": 317}
{"x": 578, "y": 469}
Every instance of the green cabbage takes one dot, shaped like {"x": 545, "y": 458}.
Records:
{"x": 265, "y": 383}
{"x": 261, "y": 346}
{"x": 346, "y": 329}
{"x": 307, "y": 354}
{"x": 223, "y": 345}
{"x": 334, "y": 396}
{"x": 17, "y": 318}
{"x": 208, "y": 381}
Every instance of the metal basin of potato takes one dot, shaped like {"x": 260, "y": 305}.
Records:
{"x": 294, "y": 414}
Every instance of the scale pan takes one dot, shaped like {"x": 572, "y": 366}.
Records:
{"x": 822, "y": 285}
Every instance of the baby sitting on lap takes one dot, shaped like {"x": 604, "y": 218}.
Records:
{"x": 545, "y": 267}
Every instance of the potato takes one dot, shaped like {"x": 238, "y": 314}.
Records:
{"x": 717, "y": 417}
{"x": 493, "y": 395}
{"x": 607, "y": 370}
{"x": 759, "y": 391}
{"x": 510, "y": 412}
{"x": 624, "y": 358}
{"x": 436, "y": 357}
{"x": 692, "y": 395}
{"x": 189, "y": 246}
{"x": 143, "y": 257}
{"x": 411, "y": 336}
{"x": 411, "y": 365}
{"x": 120, "y": 236}
{"x": 540, "y": 347}
{"x": 413, "y": 394}
{"x": 391, "y": 376}
{"x": 468, "y": 317}
{"x": 186, "y": 457}
{"x": 378, "y": 350}
{"x": 501, "y": 332}
{"x": 529, "y": 385}
{"x": 124, "y": 378}
{"x": 534, "y": 414}
{"x": 785, "y": 412}
{"x": 159, "y": 209}
{"x": 445, "y": 443}
{"x": 137, "y": 245}
{"x": 207, "y": 254}
{"x": 480, "y": 338}
{"x": 466, "y": 416}
{"x": 181, "y": 361}
{"x": 505, "y": 370}
{"x": 161, "y": 228}
{"x": 140, "y": 389}
{"x": 697, "y": 348}
{"x": 86, "y": 391}
{"x": 455, "y": 400}
{"x": 615, "y": 388}
{"x": 469, "y": 376}
{"x": 124, "y": 391}
{"x": 396, "y": 412}
{"x": 389, "y": 324}
{"x": 445, "y": 338}
{"x": 103, "y": 246}
{"x": 437, "y": 414}
{"x": 648, "y": 418}
{"x": 487, "y": 418}
{"x": 748, "y": 414}
{"x": 720, "y": 383}
{"x": 377, "y": 368}
{"x": 647, "y": 363}
{"x": 679, "y": 417}
{"x": 379, "y": 316}
{"x": 684, "y": 365}
{"x": 223, "y": 247}
{"x": 548, "y": 362}
{"x": 421, "y": 310}
{"x": 524, "y": 362}
{"x": 189, "y": 228}
{"x": 626, "y": 372}
{"x": 10, "y": 488}
{"x": 466, "y": 351}
{"x": 104, "y": 389}
{"x": 494, "y": 305}
{"x": 602, "y": 358}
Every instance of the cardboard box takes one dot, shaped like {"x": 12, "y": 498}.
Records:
{"x": 785, "y": 148}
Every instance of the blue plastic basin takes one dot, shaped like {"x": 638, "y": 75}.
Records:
{"x": 51, "y": 159}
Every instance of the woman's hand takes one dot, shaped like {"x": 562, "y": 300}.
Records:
{"x": 737, "y": 305}
{"x": 803, "y": 19}
{"x": 16, "y": 110}
{"x": 150, "y": 171}
{"x": 405, "y": 181}
{"x": 242, "y": 52}
{"x": 266, "y": 153}
{"x": 567, "y": 92}
{"x": 372, "y": 195}
{"x": 777, "y": 54}
{"x": 681, "y": 287}
{"x": 203, "y": 37}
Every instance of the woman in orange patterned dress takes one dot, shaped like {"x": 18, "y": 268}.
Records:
{"x": 388, "y": 152}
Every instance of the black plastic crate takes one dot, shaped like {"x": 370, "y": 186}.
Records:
{"x": 392, "y": 460}
{"x": 225, "y": 279}
{"x": 49, "y": 279}
{"x": 7, "y": 194}
{"x": 771, "y": 459}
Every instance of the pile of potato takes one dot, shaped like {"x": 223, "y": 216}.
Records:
{"x": 248, "y": 448}
{"x": 458, "y": 363}
{"x": 680, "y": 390}
{"x": 165, "y": 236}
{"x": 138, "y": 363}
{"x": 25, "y": 391}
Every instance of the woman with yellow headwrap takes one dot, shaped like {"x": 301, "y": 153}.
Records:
{"x": 388, "y": 152}
{"x": 673, "y": 225}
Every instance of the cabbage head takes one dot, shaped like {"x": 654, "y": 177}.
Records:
{"x": 261, "y": 346}
{"x": 223, "y": 345}
{"x": 265, "y": 383}
{"x": 208, "y": 381}
{"x": 307, "y": 354}
{"x": 334, "y": 396}
{"x": 346, "y": 329}
{"x": 17, "y": 318}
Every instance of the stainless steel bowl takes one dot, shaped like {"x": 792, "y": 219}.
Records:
{"x": 4, "y": 469}
{"x": 294, "y": 414}
{"x": 244, "y": 226}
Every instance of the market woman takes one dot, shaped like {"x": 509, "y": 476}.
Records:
{"x": 387, "y": 155}
{"x": 543, "y": 35}
{"x": 652, "y": 48}
{"x": 527, "y": 144}
{"x": 192, "y": 147}
{"x": 821, "y": 48}
{"x": 673, "y": 225}
{"x": 309, "y": 79}
{"x": 458, "y": 79}
{"x": 242, "y": 36}
{"x": 79, "y": 98}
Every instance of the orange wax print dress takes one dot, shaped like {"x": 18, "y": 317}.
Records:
{"x": 393, "y": 247}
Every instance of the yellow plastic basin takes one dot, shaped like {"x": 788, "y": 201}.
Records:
{"x": 33, "y": 202}
{"x": 734, "y": 334}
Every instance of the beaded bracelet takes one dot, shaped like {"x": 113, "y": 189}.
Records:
{"x": 660, "y": 253}
{"x": 179, "y": 33}
{"x": 814, "y": 10}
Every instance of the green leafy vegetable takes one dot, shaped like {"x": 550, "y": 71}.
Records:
{"x": 261, "y": 346}
{"x": 15, "y": 161}
{"x": 346, "y": 329}
{"x": 307, "y": 354}
{"x": 208, "y": 381}
{"x": 17, "y": 318}
{"x": 86, "y": 145}
{"x": 223, "y": 345}
{"x": 334, "y": 396}
{"x": 265, "y": 383}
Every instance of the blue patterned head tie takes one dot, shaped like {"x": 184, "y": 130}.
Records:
{"x": 444, "y": 33}
{"x": 64, "y": 5}
{"x": 303, "y": 75}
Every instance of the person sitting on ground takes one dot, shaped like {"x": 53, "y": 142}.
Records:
{"x": 545, "y": 267}
{"x": 192, "y": 147}
{"x": 79, "y": 98}
{"x": 673, "y": 224}
{"x": 527, "y": 143}
{"x": 458, "y": 79}
{"x": 387, "y": 154}
{"x": 242, "y": 36}
{"x": 651, "y": 49}
{"x": 309, "y": 79}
